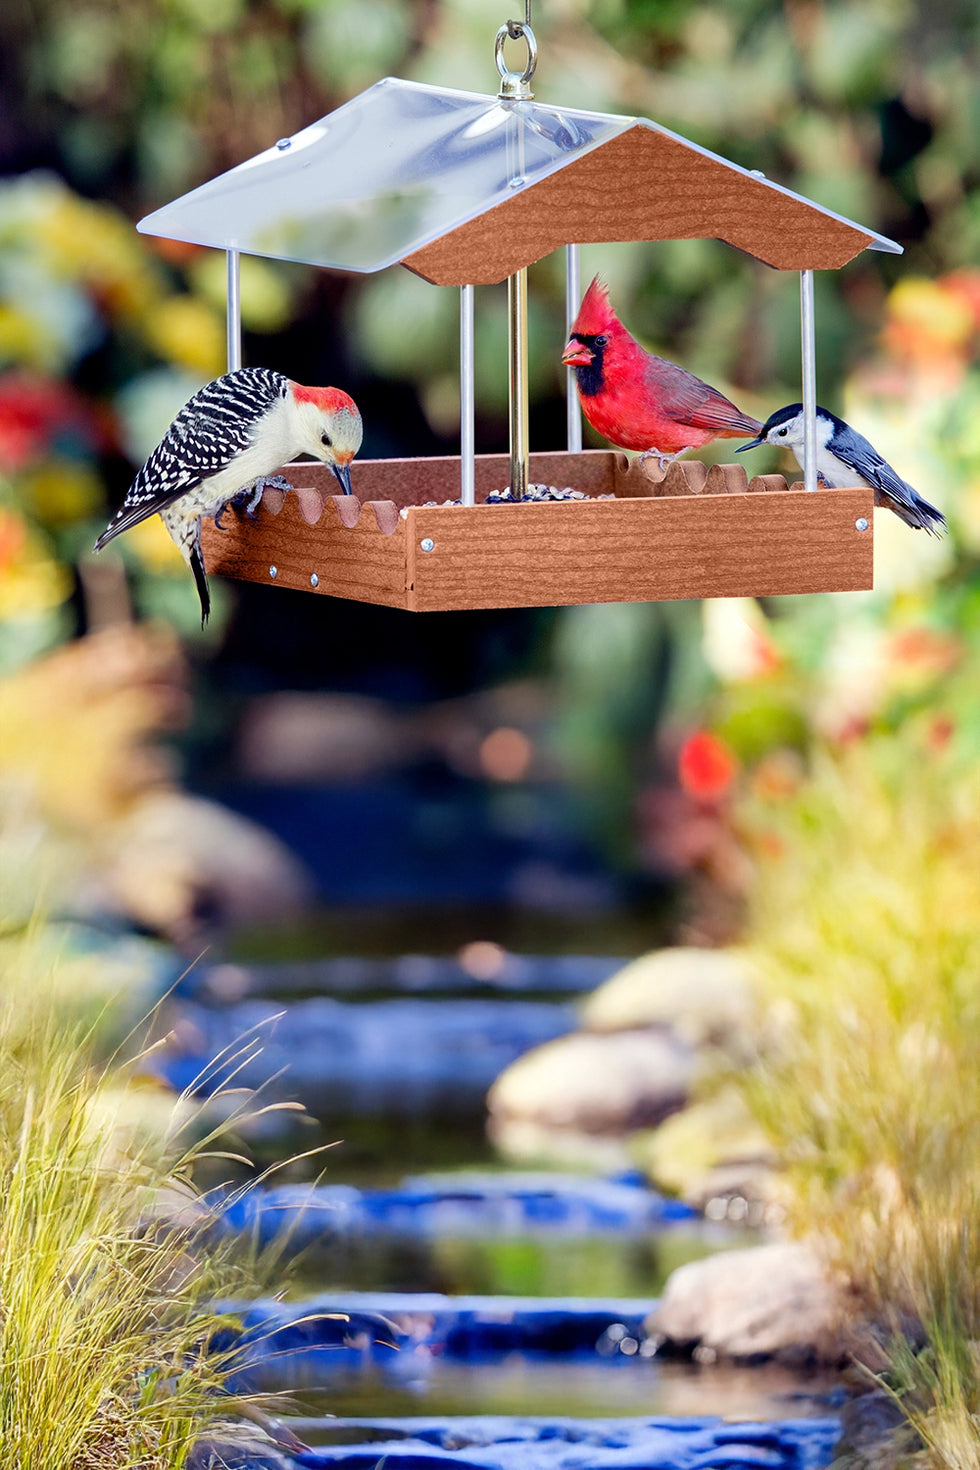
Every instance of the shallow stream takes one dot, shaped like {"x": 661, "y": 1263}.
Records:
{"x": 466, "y": 1288}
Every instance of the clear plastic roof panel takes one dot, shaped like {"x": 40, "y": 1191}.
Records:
{"x": 398, "y": 166}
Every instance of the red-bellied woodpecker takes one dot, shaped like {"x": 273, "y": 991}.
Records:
{"x": 224, "y": 444}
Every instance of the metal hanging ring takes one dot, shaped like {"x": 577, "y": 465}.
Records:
{"x": 516, "y": 30}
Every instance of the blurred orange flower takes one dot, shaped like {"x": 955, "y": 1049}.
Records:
{"x": 965, "y": 284}
{"x": 13, "y": 539}
{"x": 940, "y": 733}
{"x": 922, "y": 653}
{"x": 928, "y": 322}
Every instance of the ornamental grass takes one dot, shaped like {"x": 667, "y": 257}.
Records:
{"x": 868, "y": 926}
{"x": 105, "y": 1322}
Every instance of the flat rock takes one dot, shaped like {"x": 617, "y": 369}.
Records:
{"x": 609, "y": 1084}
{"x": 770, "y": 1301}
{"x": 179, "y": 865}
{"x": 708, "y": 1150}
{"x": 702, "y": 995}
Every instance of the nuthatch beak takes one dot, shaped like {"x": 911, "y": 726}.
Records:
{"x": 752, "y": 444}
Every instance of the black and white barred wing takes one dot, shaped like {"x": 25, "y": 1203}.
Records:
{"x": 211, "y": 430}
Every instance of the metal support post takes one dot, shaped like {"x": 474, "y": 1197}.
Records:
{"x": 572, "y": 292}
{"x": 234, "y": 310}
{"x": 808, "y": 337}
{"x": 467, "y": 399}
{"x": 517, "y": 363}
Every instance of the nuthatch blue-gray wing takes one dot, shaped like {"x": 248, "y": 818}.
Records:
{"x": 845, "y": 457}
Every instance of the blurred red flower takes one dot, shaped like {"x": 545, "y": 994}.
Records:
{"x": 34, "y": 412}
{"x": 706, "y": 766}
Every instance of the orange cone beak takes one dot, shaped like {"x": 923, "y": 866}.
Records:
{"x": 576, "y": 354}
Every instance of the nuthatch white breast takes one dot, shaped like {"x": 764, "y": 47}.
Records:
{"x": 845, "y": 457}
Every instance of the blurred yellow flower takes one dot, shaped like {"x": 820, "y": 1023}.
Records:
{"x": 188, "y": 333}
{"x": 23, "y": 339}
{"x": 63, "y": 491}
{"x": 95, "y": 244}
{"x": 31, "y": 581}
{"x": 150, "y": 542}
{"x": 267, "y": 293}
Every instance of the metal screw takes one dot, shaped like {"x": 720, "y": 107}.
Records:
{"x": 284, "y": 143}
{"x": 314, "y": 580}
{"x": 427, "y": 544}
{"x": 861, "y": 523}
{"x": 273, "y": 572}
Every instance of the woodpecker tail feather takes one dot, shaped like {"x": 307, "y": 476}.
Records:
{"x": 131, "y": 515}
{"x": 201, "y": 581}
{"x": 185, "y": 531}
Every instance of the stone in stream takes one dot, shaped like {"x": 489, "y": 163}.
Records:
{"x": 703, "y": 996}
{"x": 586, "y": 1087}
{"x": 619, "y": 1092}
{"x": 714, "y": 1154}
{"x": 774, "y": 1301}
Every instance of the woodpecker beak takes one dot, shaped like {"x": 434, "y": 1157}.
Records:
{"x": 342, "y": 471}
{"x": 576, "y": 354}
{"x": 752, "y": 444}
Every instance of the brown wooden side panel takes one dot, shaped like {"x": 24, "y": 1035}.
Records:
{"x": 359, "y": 562}
{"x": 641, "y": 550}
{"x": 413, "y": 481}
{"x": 640, "y": 185}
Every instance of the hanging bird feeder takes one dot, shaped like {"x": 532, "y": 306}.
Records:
{"x": 469, "y": 190}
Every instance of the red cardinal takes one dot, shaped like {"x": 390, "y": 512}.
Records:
{"x": 639, "y": 401}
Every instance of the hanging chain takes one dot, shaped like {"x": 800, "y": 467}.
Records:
{"x": 516, "y": 85}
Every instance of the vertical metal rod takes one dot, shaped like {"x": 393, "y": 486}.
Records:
{"x": 467, "y": 399}
{"x": 572, "y": 291}
{"x": 517, "y": 362}
{"x": 808, "y": 338}
{"x": 234, "y": 310}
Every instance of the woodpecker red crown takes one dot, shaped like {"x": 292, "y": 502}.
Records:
{"x": 330, "y": 400}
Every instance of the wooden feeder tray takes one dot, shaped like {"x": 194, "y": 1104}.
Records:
{"x": 692, "y": 532}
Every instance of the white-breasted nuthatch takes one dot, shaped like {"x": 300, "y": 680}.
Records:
{"x": 845, "y": 457}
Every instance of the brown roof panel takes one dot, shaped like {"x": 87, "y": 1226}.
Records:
{"x": 644, "y": 184}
